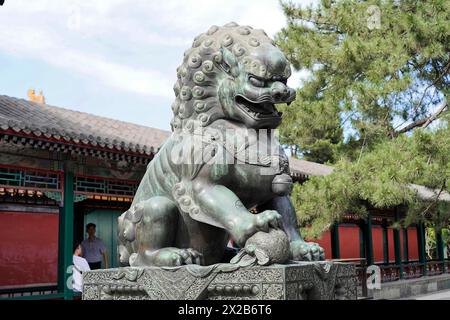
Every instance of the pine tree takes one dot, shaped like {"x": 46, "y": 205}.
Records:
{"x": 377, "y": 69}
{"x": 378, "y": 77}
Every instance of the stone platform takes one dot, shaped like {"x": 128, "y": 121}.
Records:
{"x": 295, "y": 281}
{"x": 406, "y": 289}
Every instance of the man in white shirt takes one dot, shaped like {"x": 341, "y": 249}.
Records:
{"x": 80, "y": 265}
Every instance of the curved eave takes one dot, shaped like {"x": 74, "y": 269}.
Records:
{"x": 75, "y": 146}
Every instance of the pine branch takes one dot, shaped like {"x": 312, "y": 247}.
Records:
{"x": 424, "y": 122}
{"x": 435, "y": 201}
{"x": 440, "y": 76}
{"x": 435, "y": 115}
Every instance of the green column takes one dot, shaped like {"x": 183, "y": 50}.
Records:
{"x": 405, "y": 246}
{"x": 61, "y": 271}
{"x": 362, "y": 241}
{"x": 440, "y": 247}
{"x": 365, "y": 239}
{"x": 421, "y": 246}
{"x": 385, "y": 241}
{"x": 335, "y": 246}
{"x": 397, "y": 246}
{"x": 368, "y": 239}
{"x": 66, "y": 235}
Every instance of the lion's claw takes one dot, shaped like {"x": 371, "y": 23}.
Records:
{"x": 168, "y": 257}
{"x": 177, "y": 257}
{"x": 263, "y": 221}
{"x": 306, "y": 251}
{"x": 268, "y": 219}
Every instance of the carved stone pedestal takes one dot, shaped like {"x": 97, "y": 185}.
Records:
{"x": 296, "y": 281}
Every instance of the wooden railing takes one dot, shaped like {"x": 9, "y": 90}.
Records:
{"x": 413, "y": 269}
{"x": 391, "y": 272}
{"x": 28, "y": 292}
{"x": 436, "y": 267}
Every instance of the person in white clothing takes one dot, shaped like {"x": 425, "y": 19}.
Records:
{"x": 80, "y": 265}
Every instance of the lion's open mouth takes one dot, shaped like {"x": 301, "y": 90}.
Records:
{"x": 263, "y": 110}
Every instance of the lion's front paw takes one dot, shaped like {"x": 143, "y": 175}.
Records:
{"x": 173, "y": 257}
{"x": 168, "y": 257}
{"x": 268, "y": 219}
{"x": 264, "y": 221}
{"x": 306, "y": 251}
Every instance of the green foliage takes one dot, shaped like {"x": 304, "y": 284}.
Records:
{"x": 367, "y": 78}
{"x": 316, "y": 128}
{"x": 431, "y": 247}
{"x": 380, "y": 178}
{"x": 372, "y": 83}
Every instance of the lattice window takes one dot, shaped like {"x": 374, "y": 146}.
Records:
{"x": 29, "y": 178}
{"x": 90, "y": 185}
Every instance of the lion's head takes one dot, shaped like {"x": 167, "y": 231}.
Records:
{"x": 231, "y": 72}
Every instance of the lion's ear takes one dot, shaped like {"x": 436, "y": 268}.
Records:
{"x": 229, "y": 62}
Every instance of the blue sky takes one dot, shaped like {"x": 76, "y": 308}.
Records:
{"x": 114, "y": 58}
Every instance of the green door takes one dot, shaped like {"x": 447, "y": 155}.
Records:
{"x": 106, "y": 222}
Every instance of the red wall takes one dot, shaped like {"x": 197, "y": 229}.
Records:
{"x": 325, "y": 243}
{"x": 413, "y": 253}
{"x": 377, "y": 242}
{"x": 391, "y": 245}
{"x": 349, "y": 241}
{"x": 28, "y": 248}
{"x": 413, "y": 249}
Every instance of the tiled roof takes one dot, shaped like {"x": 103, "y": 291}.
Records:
{"x": 50, "y": 122}
{"x": 64, "y": 125}
{"x": 307, "y": 168}
{"x": 430, "y": 194}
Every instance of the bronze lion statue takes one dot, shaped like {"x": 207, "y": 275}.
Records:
{"x": 221, "y": 160}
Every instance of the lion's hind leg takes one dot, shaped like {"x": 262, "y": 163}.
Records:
{"x": 156, "y": 223}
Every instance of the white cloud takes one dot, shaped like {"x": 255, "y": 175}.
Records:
{"x": 122, "y": 44}
{"x": 47, "y": 46}
{"x": 298, "y": 77}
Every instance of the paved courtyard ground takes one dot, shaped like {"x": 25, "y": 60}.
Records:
{"x": 438, "y": 295}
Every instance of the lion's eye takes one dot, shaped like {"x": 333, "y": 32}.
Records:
{"x": 280, "y": 79}
{"x": 256, "y": 82}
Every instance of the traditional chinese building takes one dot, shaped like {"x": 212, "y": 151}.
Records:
{"x": 399, "y": 252}
{"x": 60, "y": 169}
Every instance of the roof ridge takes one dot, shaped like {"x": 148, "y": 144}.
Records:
{"x": 82, "y": 112}
{"x": 80, "y": 127}
{"x": 321, "y": 164}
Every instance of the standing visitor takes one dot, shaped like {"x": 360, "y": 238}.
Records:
{"x": 80, "y": 265}
{"x": 94, "y": 250}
